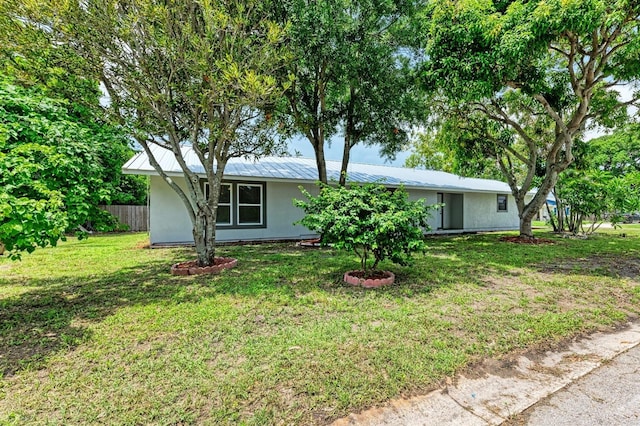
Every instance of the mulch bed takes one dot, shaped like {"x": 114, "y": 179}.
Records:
{"x": 191, "y": 267}
{"x": 525, "y": 240}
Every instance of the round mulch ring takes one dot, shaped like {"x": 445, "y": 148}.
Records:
{"x": 526, "y": 240}
{"x": 379, "y": 278}
{"x": 309, "y": 243}
{"x": 191, "y": 267}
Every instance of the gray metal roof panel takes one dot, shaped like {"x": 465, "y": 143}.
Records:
{"x": 304, "y": 169}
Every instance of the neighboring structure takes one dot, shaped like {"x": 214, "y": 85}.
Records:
{"x": 256, "y": 199}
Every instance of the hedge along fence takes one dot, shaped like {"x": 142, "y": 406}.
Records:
{"x": 135, "y": 217}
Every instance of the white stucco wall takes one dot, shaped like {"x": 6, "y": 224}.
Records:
{"x": 481, "y": 213}
{"x": 169, "y": 221}
{"x": 430, "y": 198}
{"x": 168, "y": 218}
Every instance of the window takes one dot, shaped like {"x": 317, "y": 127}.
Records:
{"x": 249, "y": 204}
{"x": 224, "y": 203}
{"x": 502, "y": 202}
{"x": 240, "y": 204}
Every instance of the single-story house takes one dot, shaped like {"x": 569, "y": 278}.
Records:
{"x": 256, "y": 198}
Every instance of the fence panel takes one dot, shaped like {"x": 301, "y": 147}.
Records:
{"x": 136, "y": 217}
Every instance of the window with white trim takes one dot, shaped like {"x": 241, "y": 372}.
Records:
{"x": 502, "y": 202}
{"x": 250, "y": 209}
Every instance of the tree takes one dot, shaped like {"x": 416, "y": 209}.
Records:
{"x": 55, "y": 169}
{"x": 30, "y": 55}
{"x": 371, "y": 220}
{"x": 618, "y": 153}
{"x": 526, "y": 78}
{"x": 433, "y": 150}
{"x": 603, "y": 182}
{"x": 30, "y": 58}
{"x": 353, "y": 75}
{"x": 594, "y": 195}
{"x": 190, "y": 75}
{"x": 378, "y": 101}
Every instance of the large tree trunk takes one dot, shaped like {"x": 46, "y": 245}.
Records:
{"x": 206, "y": 212}
{"x": 204, "y": 236}
{"x": 527, "y": 211}
{"x": 526, "y": 230}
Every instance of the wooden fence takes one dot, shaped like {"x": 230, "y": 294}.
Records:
{"x": 135, "y": 217}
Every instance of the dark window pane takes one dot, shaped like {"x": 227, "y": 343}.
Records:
{"x": 502, "y": 202}
{"x": 249, "y": 194}
{"x": 225, "y": 194}
{"x": 224, "y": 215}
{"x": 249, "y": 214}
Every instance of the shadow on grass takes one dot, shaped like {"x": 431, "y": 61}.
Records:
{"x": 56, "y": 314}
{"x": 609, "y": 255}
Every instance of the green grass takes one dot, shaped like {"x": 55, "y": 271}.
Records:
{"x": 540, "y": 224}
{"x": 97, "y": 331}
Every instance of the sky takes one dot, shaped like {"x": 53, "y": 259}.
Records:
{"x": 359, "y": 154}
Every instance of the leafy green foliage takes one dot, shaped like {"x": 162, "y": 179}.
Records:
{"x": 451, "y": 152}
{"x": 618, "y": 153}
{"x": 30, "y": 58}
{"x": 197, "y": 74}
{"x": 525, "y": 78}
{"x": 371, "y": 220}
{"x": 604, "y": 183}
{"x": 595, "y": 195}
{"x": 355, "y": 74}
{"x": 55, "y": 169}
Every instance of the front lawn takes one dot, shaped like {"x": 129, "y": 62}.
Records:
{"x": 97, "y": 331}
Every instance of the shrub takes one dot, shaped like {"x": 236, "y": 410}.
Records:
{"x": 375, "y": 222}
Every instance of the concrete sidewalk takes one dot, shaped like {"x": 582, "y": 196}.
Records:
{"x": 536, "y": 389}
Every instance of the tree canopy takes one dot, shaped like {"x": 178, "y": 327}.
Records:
{"x": 602, "y": 184}
{"x": 520, "y": 81}
{"x": 55, "y": 169}
{"x": 354, "y": 72}
{"x": 190, "y": 75}
{"x": 618, "y": 153}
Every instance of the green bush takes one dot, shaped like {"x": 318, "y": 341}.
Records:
{"x": 375, "y": 222}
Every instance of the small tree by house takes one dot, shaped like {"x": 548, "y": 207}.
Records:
{"x": 371, "y": 220}
{"x": 195, "y": 75}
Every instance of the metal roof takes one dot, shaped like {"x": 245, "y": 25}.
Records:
{"x": 304, "y": 170}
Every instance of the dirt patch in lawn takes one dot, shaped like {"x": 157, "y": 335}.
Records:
{"x": 525, "y": 240}
{"x": 503, "y": 366}
{"x": 620, "y": 266}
